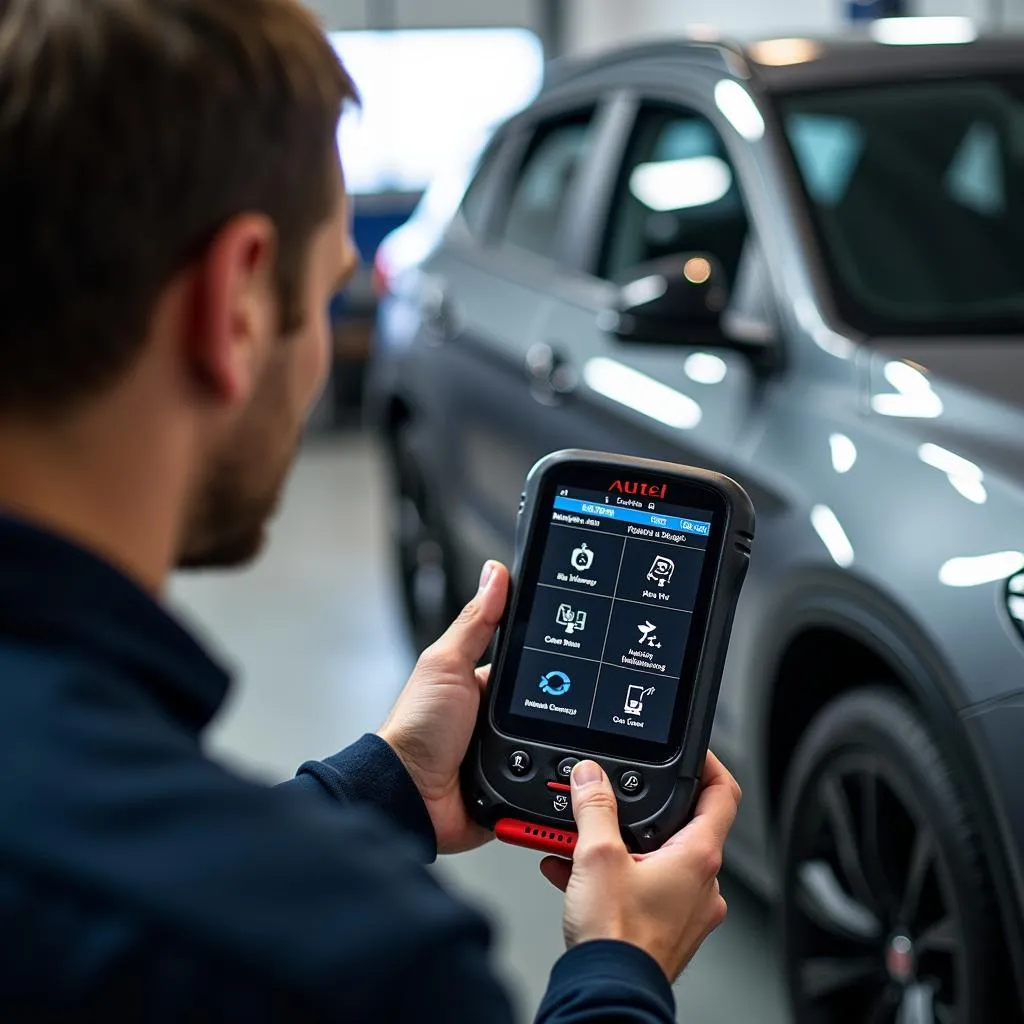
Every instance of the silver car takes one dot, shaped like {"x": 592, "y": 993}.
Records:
{"x": 800, "y": 263}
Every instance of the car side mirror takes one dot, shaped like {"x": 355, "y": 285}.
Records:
{"x": 671, "y": 299}
{"x": 684, "y": 300}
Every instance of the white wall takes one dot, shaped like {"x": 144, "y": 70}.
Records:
{"x": 353, "y": 14}
{"x": 597, "y": 24}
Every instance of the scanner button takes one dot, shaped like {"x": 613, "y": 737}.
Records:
{"x": 519, "y": 763}
{"x": 565, "y": 767}
{"x": 631, "y": 782}
{"x": 561, "y": 804}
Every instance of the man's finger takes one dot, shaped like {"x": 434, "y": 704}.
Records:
{"x": 719, "y": 799}
{"x": 716, "y": 809}
{"x": 716, "y": 772}
{"x": 595, "y": 810}
{"x": 557, "y": 871}
{"x": 483, "y": 674}
{"x": 471, "y": 633}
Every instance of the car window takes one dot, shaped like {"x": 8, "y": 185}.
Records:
{"x": 474, "y": 206}
{"x": 544, "y": 183}
{"x": 917, "y": 194}
{"x": 677, "y": 193}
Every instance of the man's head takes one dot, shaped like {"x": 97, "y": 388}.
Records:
{"x": 173, "y": 211}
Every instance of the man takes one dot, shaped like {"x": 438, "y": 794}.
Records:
{"x": 174, "y": 228}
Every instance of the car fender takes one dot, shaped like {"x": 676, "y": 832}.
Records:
{"x": 838, "y": 601}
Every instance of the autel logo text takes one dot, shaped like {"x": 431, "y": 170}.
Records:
{"x": 640, "y": 489}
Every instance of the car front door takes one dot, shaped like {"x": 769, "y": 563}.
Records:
{"x": 674, "y": 192}
{"x": 675, "y": 196}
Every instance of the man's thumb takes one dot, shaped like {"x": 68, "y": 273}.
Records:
{"x": 474, "y": 629}
{"x": 594, "y": 806}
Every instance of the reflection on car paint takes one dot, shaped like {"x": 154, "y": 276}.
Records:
{"x": 644, "y": 394}
{"x": 977, "y": 570}
{"x": 965, "y": 476}
{"x": 833, "y": 536}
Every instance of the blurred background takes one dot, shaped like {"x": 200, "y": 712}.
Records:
{"x": 841, "y": 185}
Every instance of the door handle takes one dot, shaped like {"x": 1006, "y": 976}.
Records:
{"x": 439, "y": 310}
{"x": 551, "y": 376}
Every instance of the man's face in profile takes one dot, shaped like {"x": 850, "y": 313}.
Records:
{"x": 244, "y": 483}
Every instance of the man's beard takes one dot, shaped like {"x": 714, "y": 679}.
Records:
{"x": 234, "y": 534}
{"x": 228, "y": 527}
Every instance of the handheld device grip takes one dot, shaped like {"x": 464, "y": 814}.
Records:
{"x": 517, "y": 784}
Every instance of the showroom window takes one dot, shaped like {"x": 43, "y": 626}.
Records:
{"x": 544, "y": 185}
{"x": 400, "y": 139}
{"x": 677, "y": 193}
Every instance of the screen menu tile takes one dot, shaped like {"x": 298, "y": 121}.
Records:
{"x": 610, "y": 619}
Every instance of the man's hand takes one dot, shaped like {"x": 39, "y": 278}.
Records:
{"x": 666, "y": 902}
{"x": 430, "y": 726}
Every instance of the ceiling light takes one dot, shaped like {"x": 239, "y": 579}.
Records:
{"x": 703, "y": 33}
{"x": 923, "y": 31}
{"x": 782, "y": 52}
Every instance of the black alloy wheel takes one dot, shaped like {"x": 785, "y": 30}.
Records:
{"x": 887, "y": 914}
{"x": 422, "y": 552}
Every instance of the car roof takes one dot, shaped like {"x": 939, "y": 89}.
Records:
{"x": 796, "y": 64}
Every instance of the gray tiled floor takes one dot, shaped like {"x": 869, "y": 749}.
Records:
{"x": 314, "y": 633}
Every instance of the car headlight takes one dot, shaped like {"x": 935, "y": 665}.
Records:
{"x": 1015, "y": 599}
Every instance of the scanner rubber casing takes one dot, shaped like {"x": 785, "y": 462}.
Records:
{"x": 667, "y": 799}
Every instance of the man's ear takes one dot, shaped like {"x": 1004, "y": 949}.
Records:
{"x": 234, "y": 314}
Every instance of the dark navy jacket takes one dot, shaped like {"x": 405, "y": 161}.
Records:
{"x": 140, "y": 881}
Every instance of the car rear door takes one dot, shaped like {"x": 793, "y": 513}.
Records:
{"x": 485, "y": 302}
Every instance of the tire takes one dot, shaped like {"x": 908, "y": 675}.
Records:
{"x": 887, "y": 914}
{"x": 422, "y": 553}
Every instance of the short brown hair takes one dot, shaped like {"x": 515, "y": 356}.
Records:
{"x": 131, "y": 132}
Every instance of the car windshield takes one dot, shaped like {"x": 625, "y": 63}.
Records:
{"x": 917, "y": 194}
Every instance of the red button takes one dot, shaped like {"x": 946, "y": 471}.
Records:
{"x": 560, "y": 787}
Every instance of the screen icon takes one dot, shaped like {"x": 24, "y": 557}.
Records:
{"x": 661, "y": 571}
{"x": 582, "y": 558}
{"x": 649, "y": 634}
{"x": 635, "y": 699}
{"x": 555, "y": 683}
{"x": 574, "y": 621}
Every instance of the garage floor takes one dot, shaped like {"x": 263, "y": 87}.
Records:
{"x": 315, "y": 634}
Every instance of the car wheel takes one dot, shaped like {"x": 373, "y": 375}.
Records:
{"x": 886, "y": 910}
{"x": 422, "y": 552}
